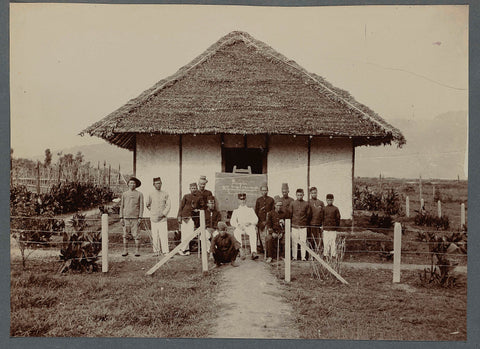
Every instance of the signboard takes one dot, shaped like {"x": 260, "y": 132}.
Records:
{"x": 228, "y": 185}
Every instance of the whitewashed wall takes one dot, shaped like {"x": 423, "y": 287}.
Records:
{"x": 158, "y": 156}
{"x": 287, "y": 163}
{"x": 201, "y": 155}
{"x": 331, "y": 171}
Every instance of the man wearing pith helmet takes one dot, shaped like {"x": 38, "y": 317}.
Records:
{"x": 244, "y": 220}
{"x": 205, "y": 193}
{"x": 131, "y": 212}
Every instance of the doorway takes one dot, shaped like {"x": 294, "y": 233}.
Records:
{"x": 244, "y": 157}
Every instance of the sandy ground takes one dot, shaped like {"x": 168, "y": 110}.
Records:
{"x": 251, "y": 304}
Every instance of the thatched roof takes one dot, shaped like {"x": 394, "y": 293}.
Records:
{"x": 242, "y": 86}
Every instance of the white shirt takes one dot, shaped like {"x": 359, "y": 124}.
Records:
{"x": 243, "y": 215}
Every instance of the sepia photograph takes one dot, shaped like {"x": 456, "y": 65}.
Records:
{"x": 245, "y": 172}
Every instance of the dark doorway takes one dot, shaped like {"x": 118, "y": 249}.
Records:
{"x": 242, "y": 158}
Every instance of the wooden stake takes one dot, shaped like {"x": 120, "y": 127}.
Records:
{"x": 420, "y": 185}
{"x": 462, "y": 215}
{"x": 397, "y": 251}
{"x": 439, "y": 208}
{"x": 38, "y": 177}
{"x": 422, "y": 204}
{"x": 203, "y": 238}
{"x": 288, "y": 236}
{"x": 322, "y": 262}
{"x": 407, "y": 206}
{"x": 104, "y": 242}
{"x": 173, "y": 252}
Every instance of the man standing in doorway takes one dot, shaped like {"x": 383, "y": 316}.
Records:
{"x": 263, "y": 205}
{"x": 315, "y": 230}
{"x": 131, "y": 212}
{"x": 189, "y": 206}
{"x": 244, "y": 220}
{"x": 158, "y": 203}
{"x": 301, "y": 214}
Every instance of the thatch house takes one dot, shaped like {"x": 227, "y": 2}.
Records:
{"x": 242, "y": 103}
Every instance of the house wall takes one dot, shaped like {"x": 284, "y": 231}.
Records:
{"x": 159, "y": 155}
{"x": 201, "y": 155}
{"x": 287, "y": 162}
{"x": 331, "y": 171}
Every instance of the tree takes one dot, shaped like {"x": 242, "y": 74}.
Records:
{"x": 48, "y": 158}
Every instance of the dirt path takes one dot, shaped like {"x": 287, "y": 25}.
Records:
{"x": 251, "y": 304}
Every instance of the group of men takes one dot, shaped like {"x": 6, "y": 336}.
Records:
{"x": 266, "y": 221}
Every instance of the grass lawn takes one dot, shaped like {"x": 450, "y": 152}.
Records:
{"x": 371, "y": 307}
{"x": 175, "y": 302}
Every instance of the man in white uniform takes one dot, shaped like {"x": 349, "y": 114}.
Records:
{"x": 158, "y": 203}
{"x": 244, "y": 219}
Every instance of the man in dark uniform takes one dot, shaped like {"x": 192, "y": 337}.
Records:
{"x": 189, "y": 207}
{"x": 316, "y": 222}
{"x": 263, "y": 205}
{"x": 275, "y": 230}
{"x": 301, "y": 214}
{"x": 286, "y": 200}
{"x": 331, "y": 222}
{"x": 205, "y": 193}
{"x": 212, "y": 217}
{"x": 224, "y": 247}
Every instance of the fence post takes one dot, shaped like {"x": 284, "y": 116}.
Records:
{"x": 407, "y": 206}
{"x": 203, "y": 243}
{"x": 422, "y": 204}
{"x": 104, "y": 242}
{"x": 288, "y": 248}
{"x": 439, "y": 204}
{"x": 38, "y": 177}
{"x": 420, "y": 185}
{"x": 462, "y": 215}
{"x": 397, "y": 251}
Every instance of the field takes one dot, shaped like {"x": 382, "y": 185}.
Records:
{"x": 178, "y": 301}
{"x": 372, "y": 308}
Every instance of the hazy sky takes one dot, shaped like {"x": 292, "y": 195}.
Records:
{"x": 72, "y": 64}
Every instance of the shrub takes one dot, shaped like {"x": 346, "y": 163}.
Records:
{"x": 28, "y": 228}
{"x": 428, "y": 220}
{"x": 367, "y": 199}
{"x": 380, "y": 221}
{"x": 80, "y": 249}
{"x": 441, "y": 247}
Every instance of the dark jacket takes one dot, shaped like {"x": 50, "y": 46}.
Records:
{"x": 212, "y": 217}
{"x": 225, "y": 244}
{"x": 286, "y": 205}
{"x": 317, "y": 207}
{"x": 273, "y": 222}
{"x": 204, "y": 194}
{"x": 331, "y": 217}
{"x": 189, "y": 203}
{"x": 262, "y": 206}
{"x": 301, "y": 213}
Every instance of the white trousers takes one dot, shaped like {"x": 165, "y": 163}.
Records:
{"x": 299, "y": 234}
{"x": 187, "y": 230}
{"x": 329, "y": 243}
{"x": 252, "y": 236}
{"x": 160, "y": 235}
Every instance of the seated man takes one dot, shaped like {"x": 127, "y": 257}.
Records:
{"x": 244, "y": 220}
{"x": 224, "y": 247}
{"x": 212, "y": 217}
{"x": 275, "y": 230}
